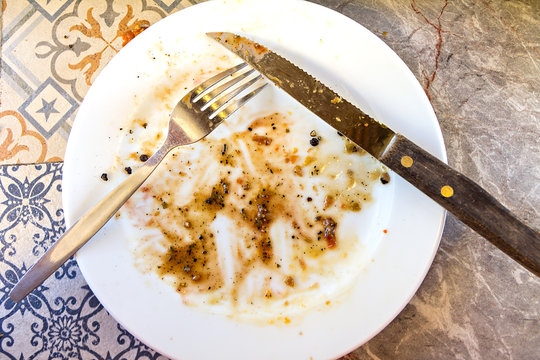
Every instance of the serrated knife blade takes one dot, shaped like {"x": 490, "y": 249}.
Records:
{"x": 317, "y": 97}
{"x": 451, "y": 189}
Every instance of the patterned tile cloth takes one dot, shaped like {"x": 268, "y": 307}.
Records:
{"x": 62, "y": 319}
{"x": 52, "y": 51}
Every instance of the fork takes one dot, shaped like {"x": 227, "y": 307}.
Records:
{"x": 195, "y": 116}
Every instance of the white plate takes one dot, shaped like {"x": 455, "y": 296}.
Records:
{"x": 341, "y": 53}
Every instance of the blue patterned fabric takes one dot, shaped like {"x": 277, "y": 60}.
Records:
{"x": 61, "y": 319}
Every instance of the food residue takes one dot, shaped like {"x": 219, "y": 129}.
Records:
{"x": 256, "y": 218}
{"x": 129, "y": 32}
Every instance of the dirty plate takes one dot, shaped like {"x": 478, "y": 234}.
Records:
{"x": 403, "y": 225}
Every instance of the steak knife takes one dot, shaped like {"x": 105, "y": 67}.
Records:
{"x": 452, "y": 190}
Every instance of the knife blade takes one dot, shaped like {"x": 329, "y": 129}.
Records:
{"x": 451, "y": 189}
{"x": 317, "y": 97}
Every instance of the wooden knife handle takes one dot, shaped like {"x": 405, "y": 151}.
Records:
{"x": 466, "y": 200}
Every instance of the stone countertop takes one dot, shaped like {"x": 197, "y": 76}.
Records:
{"x": 479, "y": 64}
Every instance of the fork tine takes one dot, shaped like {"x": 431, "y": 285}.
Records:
{"x": 214, "y": 106}
{"x": 236, "y": 104}
{"x": 206, "y": 85}
{"x": 209, "y": 97}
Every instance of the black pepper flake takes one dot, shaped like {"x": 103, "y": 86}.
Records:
{"x": 224, "y": 149}
{"x": 250, "y": 129}
{"x": 128, "y": 170}
{"x": 309, "y": 199}
{"x": 314, "y": 141}
{"x": 104, "y": 177}
{"x": 339, "y": 133}
{"x": 143, "y": 157}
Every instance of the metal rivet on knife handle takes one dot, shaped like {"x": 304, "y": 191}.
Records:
{"x": 447, "y": 191}
{"x": 406, "y": 161}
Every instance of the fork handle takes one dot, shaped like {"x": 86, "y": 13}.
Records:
{"x": 86, "y": 227}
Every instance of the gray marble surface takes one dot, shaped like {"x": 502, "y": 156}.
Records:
{"x": 479, "y": 64}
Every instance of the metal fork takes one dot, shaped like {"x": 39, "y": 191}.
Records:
{"x": 194, "y": 117}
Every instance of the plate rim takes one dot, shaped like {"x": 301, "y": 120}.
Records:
{"x": 440, "y": 140}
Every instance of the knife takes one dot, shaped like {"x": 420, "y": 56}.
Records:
{"x": 451, "y": 189}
